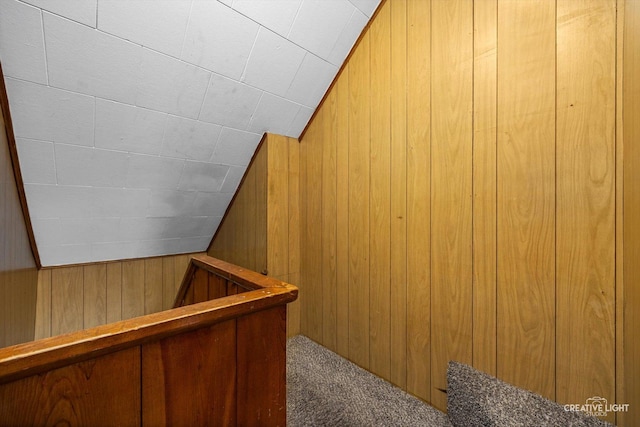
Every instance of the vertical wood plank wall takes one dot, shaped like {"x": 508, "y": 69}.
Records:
{"x": 261, "y": 230}
{"x": 629, "y": 342}
{"x": 18, "y": 274}
{"x": 80, "y": 297}
{"x": 462, "y": 172}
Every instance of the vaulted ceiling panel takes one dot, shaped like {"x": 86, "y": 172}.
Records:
{"x": 273, "y": 63}
{"x": 219, "y": 39}
{"x": 49, "y": 114}
{"x": 22, "y": 42}
{"x": 144, "y": 22}
{"x": 82, "y": 11}
{"x": 135, "y": 121}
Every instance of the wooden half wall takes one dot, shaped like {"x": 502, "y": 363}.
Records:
{"x": 80, "y": 297}
{"x": 18, "y": 267}
{"x": 461, "y": 198}
{"x": 261, "y": 229}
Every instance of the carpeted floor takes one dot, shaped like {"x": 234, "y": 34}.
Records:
{"x": 324, "y": 389}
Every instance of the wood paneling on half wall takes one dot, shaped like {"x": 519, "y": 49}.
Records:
{"x": 80, "y": 297}
{"x": 458, "y": 197}
{"x": 261, "y": 230}
{"x": 18, "y": 273}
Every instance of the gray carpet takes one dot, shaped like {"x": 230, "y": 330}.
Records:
{"x": 324, "y": 389}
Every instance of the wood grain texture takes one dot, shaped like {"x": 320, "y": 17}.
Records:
{"x": 200, "y": 286}
{"x": 304, "y": 252}
{"x": 359, "y": 199}
{"x": 585, "y": 211}
{"x": 73, "y": 395}
{"x": 66, "y": 300}
{"x": 312, "y": 277}
{"x": 262, "y": 206}
{"x": 526, "y": 194}
{"x": 328, "y": 225}
{"x": 380, "y": 195}
{"x": 484, "y": 184}
{"x": 114, "y": 292}
{"x": 451, "y": 189}
{"x": 43, "y": 305}
{"x": 293, "y": 309}
{"x": 153, "y": 287}
{"x": 191, "y": 370}
{"x": 342, "y": 212}
{"x": 190, "y": 379}
{"x": 277, "y": 205}
{"x": 631, "y": 225}
{"x": 94, "y": 283}
{"x": 398, "y": 244}
{"x": 99, "y": 288}
{"x": 619, "y": 283}
{"x": 418, "y": 197}
{"x": 168, "y": 282}
{"x": 133, "y": 291}
{"x": 261, "y": 367}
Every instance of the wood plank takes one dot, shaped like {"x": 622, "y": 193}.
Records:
{"x": 485, "y": 14}
{"x": 168, "y": 285}
{"x": 260, "y": 207}
{"x": 277, "y": 205}
{"x": 200, "y": 286}
{"x": 190, "y": 379}
{"x": 342, "y": 212}
{"x": 304, "y": 242}
{"x": 293, "y": 309}
{"x": 66, "y": 300}
{"x": 217, "y": 287}
{"x": 621, "y": 419}
{"x": 359, "y": 167}
{"x": 585, "y": 210}
{"x": 328, "y": 224}
{"x": 631, "y": 225}
{"x": 43, "y": 305}
{"x": 261, "y": 368}
{"x": 451, "y": 190}
{"x": 526, "y": 181}
{"x": 418, "y": 196}
{"x": 74, "y": 395}
{"x": 153, "y": 286}
{"x": 114, "y": 292}
{"x": 398, "y": 249}
{"x": 312, "y": 310}
{"x": 380, "y": 195}
{"x": 132, "y": 289}
{"x": 245, "y": 248}
{"x": 95, "y": 295}
{"x": 181, "y": 264}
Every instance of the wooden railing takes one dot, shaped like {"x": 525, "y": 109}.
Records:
{"x": 216, "y": 362}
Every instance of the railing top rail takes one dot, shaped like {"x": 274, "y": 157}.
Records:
{"x": 30, "y": 358}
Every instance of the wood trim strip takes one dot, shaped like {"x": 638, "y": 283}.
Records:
{"x": 13, "y": 150}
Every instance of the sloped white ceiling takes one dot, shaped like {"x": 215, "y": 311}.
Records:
{"x": 135, "y": 120}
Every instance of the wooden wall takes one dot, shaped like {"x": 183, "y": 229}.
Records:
{"x": 261, "y": 230}
{"x": 458, "y": 197}
{"x": 18, "y": 274}
{"x": 79, "y": 297}
{"x": 629, "y": 273}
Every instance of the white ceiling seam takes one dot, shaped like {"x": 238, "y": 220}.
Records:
{"x": 135, "y": 121}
